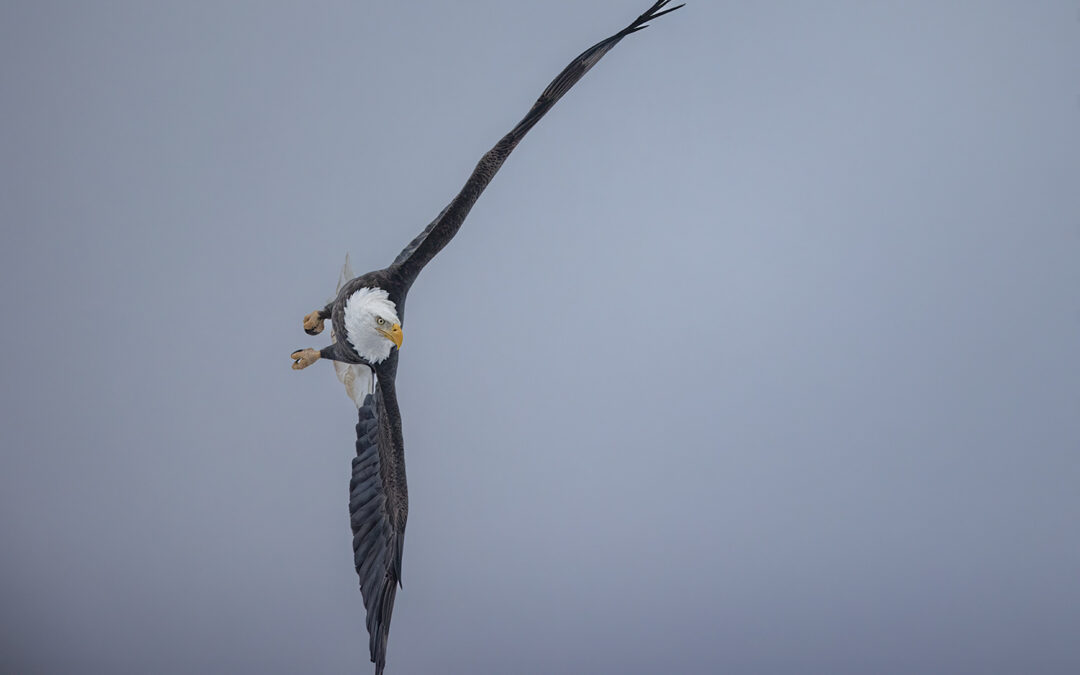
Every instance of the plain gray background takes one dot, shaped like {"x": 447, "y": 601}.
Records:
{"x": 760, "y": 354}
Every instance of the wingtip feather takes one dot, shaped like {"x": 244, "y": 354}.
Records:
{"x": 667, "y": 11}
{"x": 650, "y": 14}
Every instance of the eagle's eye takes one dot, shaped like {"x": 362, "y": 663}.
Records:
{"x": 379, "y": 321}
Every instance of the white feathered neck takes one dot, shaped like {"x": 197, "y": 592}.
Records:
{"x": 362, "y": 310}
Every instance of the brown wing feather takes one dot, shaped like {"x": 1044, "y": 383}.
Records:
{"x": 440, "y": 231}
{"x": 378, "y": 509}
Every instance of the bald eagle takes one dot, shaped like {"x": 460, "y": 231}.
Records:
{"x": 366, "y": 319}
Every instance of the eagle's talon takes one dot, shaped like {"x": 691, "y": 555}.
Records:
{"x": 313, "y": 323}
{"x": 302, "y": 358}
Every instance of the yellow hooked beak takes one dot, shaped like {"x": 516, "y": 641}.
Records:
{"x": 393, "y": 334}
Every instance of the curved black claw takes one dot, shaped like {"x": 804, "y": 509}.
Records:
{"x": 302, "y": 358}
{"x": 313, "y": 323}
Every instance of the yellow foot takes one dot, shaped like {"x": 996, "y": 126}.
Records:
{"x": 302, "y": 358}
{"x": 313, "y": 323}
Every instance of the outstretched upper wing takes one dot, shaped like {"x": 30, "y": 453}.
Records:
{"x": 441, "y": 230}
{"x": 378, "y": 509}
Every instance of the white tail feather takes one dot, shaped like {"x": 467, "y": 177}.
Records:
{"x": 346, "y": 274}
{"x": 358, "y": 379}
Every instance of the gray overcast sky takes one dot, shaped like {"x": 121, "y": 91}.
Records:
{"x": 760, "y": 355}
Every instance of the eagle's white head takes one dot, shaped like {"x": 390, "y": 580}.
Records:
{"x": 372, "y": 326}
